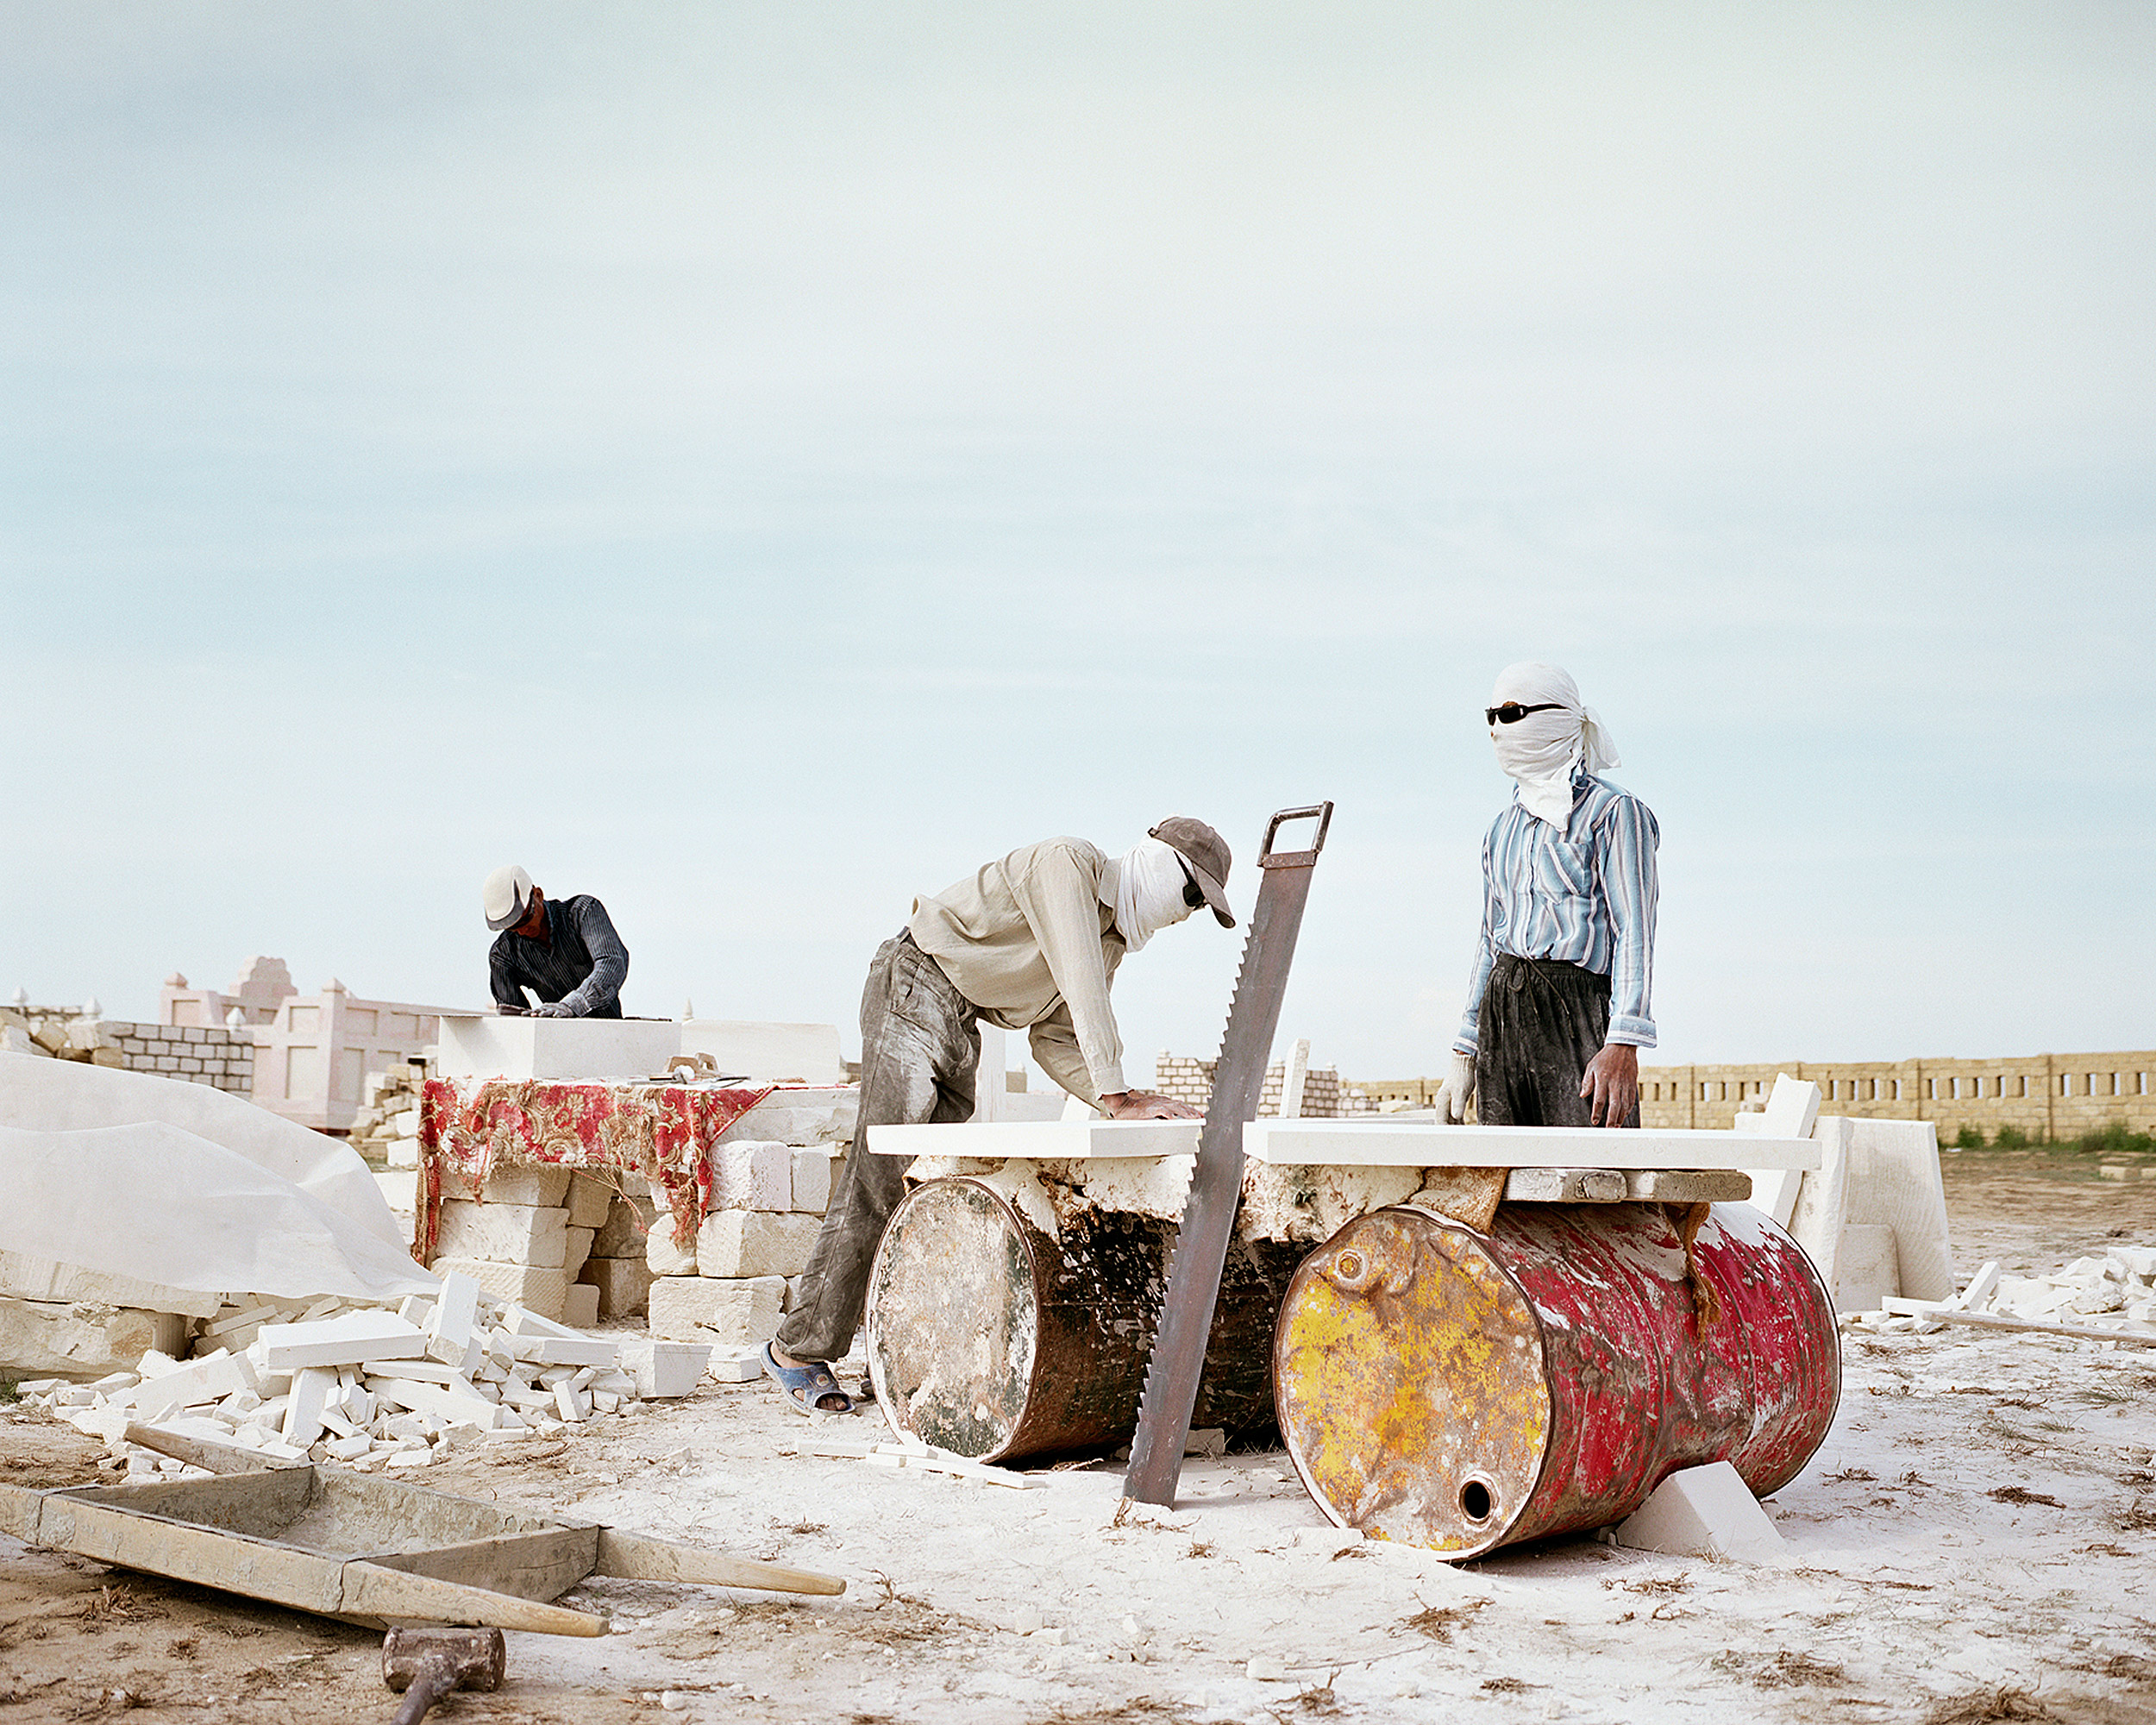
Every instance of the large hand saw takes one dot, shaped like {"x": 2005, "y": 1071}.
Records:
{"x": 1216, "y": 1186}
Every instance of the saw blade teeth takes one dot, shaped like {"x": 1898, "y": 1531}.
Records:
{"x": 1216, "y": 1187}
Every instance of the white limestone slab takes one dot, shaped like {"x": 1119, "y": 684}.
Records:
{"x": 1704, "y": 1512}
{"x": 211, "y": 1379}
{"x": 25, "y": 1277}
{"x": 1792, "y": 1111}
{"x": 1817, "y": 1219}
{"x": 1383, "y": 1144}
{"x": 1894, "y": 1182}
{"x": 766, "y": 1053}
{"x": 1042, "y": 1140}
{"x": 665, "y": 1370}
{"x": 989, "y": 1083}
{"x": 484, "y": 1046}
{"x": 347, "y": 1340}
{"x": 1867, "y": 1269}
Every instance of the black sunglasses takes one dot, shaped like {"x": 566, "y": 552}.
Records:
{"x": 1194, "y": 894}
{"x": 1511, "y": 713}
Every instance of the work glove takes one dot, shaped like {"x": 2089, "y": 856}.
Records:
{"x": 1458, "y": 1089}
{"x": 553, "y": 1009}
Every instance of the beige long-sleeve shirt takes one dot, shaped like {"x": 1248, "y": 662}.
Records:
{"x": 1031, "y": 939}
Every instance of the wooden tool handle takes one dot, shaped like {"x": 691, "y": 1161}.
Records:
{"x": 633, "y": 1558}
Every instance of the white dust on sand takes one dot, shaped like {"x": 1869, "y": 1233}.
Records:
{"x": 1982, "y": 1518}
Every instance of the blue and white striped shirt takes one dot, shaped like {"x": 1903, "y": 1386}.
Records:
{"x": 1586, "y": 895}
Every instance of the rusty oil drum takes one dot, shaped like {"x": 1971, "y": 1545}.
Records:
{"x": 1463, "y": 1391}
{"x": 992, "y": 1338}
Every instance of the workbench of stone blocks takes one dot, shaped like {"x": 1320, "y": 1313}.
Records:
{"x": 574, "y": 1199}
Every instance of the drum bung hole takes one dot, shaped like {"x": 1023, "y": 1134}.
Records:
{"x": 1476, "y": 1502}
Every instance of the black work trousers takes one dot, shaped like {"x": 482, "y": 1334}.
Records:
{"x": 920, "y": 1047}
{"x": 1541, "y": 1021}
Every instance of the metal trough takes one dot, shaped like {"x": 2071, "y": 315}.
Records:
{"x": 368, "y": 1550}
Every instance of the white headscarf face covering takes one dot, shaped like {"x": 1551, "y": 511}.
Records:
{"x": 1539, "y": 752}
{"x": 1148, "y": 892}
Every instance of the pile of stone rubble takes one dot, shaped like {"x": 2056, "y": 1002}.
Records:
{"x": 367, "y": 1387}
{"x": 2115, "y": 1293}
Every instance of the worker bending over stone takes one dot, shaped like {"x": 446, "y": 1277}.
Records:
{"x": 565, "y": 951}
{"x": 1556, "y": 1004}
{"x": 1030, "y": 941}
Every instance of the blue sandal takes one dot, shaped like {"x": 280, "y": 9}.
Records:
{"x": 806, "y": 1387}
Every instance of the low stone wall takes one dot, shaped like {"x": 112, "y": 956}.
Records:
{"x": 1189, "y": 1080}
{"x": 211, "y": 1055}
{"x": 195, "y": 1054}
{"x": 2044, "y": 1096}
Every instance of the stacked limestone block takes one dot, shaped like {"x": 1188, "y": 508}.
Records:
{"x": 387, "y": 1131}
{"x": 386, "y": 1127}
{"x": 528, "y": 1240}
{"x": 617, "y": 1265}
{"x": 771, "y": 1180}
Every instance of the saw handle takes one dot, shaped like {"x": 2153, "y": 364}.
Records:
{"x": 1269, "y": 858}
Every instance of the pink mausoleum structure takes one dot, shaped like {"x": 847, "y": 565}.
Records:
{"x": 313, "y": 1053}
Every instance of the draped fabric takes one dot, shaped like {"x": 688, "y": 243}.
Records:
{"x": 663, "y": 1131}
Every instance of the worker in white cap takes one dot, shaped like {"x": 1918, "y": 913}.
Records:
{"x": 1557, "y": 1004}
{"x": 564, "y": 951}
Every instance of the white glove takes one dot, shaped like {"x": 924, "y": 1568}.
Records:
{"x": 1458, "y": 1090}
{"x": 553, "y": 1009}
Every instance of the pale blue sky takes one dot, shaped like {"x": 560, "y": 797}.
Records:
{"x": 756, "y": 463}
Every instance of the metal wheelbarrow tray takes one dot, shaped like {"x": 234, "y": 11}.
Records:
{"x": 373, "y": 1551}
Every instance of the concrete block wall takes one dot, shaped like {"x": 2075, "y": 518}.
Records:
{"x": 195, "y": 1054}
{"x": 1190, "y": 1080}
{"x": 221, "y": 1058}
{"x": 2044, "y": 1096}
{"x": 1365, "y": 1095}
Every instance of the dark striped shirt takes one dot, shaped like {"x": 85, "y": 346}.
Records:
{"x": 1586, "y": 895}
{"x": 581, "y": 961}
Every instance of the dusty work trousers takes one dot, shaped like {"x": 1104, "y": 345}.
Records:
{"x": 920, "y": 1047}
{"x": 1541, "y": 1021}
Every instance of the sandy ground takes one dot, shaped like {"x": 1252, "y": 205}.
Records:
{"x": 1976, "y": 1539}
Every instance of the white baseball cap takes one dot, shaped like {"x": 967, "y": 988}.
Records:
{"x": 504, "y": 897}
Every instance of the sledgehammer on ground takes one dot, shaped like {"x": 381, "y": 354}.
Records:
{"x": 427, "y": 1664}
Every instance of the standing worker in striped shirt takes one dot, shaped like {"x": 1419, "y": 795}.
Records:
{"x": 1556, "y": 1004}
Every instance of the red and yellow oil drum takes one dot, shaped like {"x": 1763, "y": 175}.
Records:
{"x": 1463, "y": 1390}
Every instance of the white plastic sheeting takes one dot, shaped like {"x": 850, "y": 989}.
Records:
{"x": 155, "y": 1203}
{"x": 40, "y": 1095}
{"x": 182, "y": 1187}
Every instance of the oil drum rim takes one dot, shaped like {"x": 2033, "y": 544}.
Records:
{"x": 868, "y": 1326}
{"x": 876, "y": 1376}
{"x": 1542, "y": 1351}
{"x": 1018, "y": 1224}
{"x": 1782, "y": 1234}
